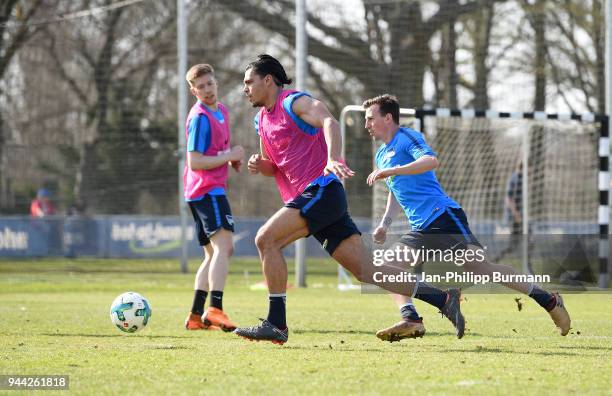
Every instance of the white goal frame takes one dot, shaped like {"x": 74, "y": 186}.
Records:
{"x": 603, "y": 215}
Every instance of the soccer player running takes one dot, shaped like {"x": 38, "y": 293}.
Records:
{"x": 407, "y": 164}
{"x": 205, "y": 178}
{"x": 300, "y": 146}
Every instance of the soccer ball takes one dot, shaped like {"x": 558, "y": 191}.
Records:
{"x": 130, "y": 312}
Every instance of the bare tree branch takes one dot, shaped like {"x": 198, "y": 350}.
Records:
{"x": 558, "y": 83}
{"x": 450, "y": 8}
{"x": 23, "y": 33}
{"x": 63, "y": 74}
{"x": 343, "y": 59}
{"x": 577, "y": 60}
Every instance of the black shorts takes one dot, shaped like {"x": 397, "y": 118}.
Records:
{"x": 450, "y": 230}
{"x": 326, "y": 212}
{"x": 210, "y": 214}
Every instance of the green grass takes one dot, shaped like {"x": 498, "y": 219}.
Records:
{"x": 54, "y": 320}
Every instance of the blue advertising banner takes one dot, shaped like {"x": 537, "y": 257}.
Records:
{"x": 121, "y": 237}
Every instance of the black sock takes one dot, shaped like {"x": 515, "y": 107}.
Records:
{"x": 545, "y": 299}
{"x": 431, "y": 295}
{"x": 199, "y": 299}
{"x": 216, "y": 299}
{"x": 409, "y": 312}
{"x": 276, "y": 312}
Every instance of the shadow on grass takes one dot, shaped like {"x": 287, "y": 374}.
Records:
{"x": 108, "y": 335}
{"x": 480, "y": 349}
{"x": 324, "y": 348}
{"x": 311, "y": 331}
{"x": 167, "y": 347}
{"x": 333, "y": 347}
{"x": 373, "y": 332}
{"x": 595, "y": 348}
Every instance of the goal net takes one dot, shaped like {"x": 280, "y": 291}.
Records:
{"x": 547, "y": 165}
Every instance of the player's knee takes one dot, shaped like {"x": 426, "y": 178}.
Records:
{"x": 263, "y": 239}
{"x": 222, "y": 243}
{"x": 224, "y": 250}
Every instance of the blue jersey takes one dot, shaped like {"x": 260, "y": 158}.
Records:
{"x": 421, "y": 196}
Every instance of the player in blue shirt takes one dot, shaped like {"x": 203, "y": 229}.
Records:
{"x": 407, "y": 164}
{"x": 208, "y": 157}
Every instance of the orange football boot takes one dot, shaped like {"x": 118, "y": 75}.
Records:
{"x": 214, "y": 317}
{"x": 194, "y": 322}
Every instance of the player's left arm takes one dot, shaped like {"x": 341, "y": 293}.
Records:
{"x": 315, "y": 113}
{"x": 421, "y": 165}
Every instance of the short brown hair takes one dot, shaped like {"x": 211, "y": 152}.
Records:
{"x": 386, "y": 104}
{"x": 198, "y": 71}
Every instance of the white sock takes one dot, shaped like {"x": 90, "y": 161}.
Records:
{"x": 283, "y": 295}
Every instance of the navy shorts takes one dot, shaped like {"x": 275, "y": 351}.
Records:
{"x": 326, "y": 212}
{"x": 210, "y": 214}
{"x": 450, "y": 230}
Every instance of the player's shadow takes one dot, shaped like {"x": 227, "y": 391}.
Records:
{"x": 480, "y": 349}
{"x": 578, "y": 348}
{"x": 373, "y": 332}
{"x": 107, "y": 335}
{"x": 336, "y": 349}
{"x": 312, "y": 331}
{"x": 167, "y": 347}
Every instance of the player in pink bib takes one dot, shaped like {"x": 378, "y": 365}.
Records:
{"x": 300, "y": 146}
{"x": 205, "y": 179}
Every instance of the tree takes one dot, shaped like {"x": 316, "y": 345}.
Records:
{"x": 577, "y": 58}
{"x": 480, "y": 32}
{"x": 110, "y": 68}
{"x": 15, "y": 32}
{"x": 536, "y": 15}
{"x": 445, "y": 68}
{"x": 390, "y": 56}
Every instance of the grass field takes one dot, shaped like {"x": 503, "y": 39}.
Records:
{"x": 54, "y": 320}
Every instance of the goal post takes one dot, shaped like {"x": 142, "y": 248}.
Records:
{"x": 565, "y": 158}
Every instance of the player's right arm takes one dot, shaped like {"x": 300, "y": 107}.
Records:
{"x": 393, "y": 208}
{"x": 260, "y": 163}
